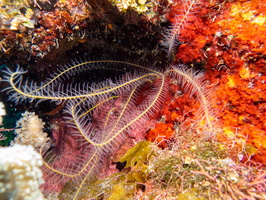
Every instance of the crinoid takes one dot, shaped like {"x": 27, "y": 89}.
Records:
{"x": 180, "y": 19}
{"x": 101, "y": 115}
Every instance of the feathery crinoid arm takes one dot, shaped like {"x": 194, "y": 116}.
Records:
{"x": 181, "y": 16}
{"x": 114, "y": 114}
{"x": 62, "y": 164}
{"x": 15, "y": 79}
{"x": 193, "y": 83}
{"x": 105, "y": 121}
{"x": 59, "y": 87}
{"x": 100, "y": 117}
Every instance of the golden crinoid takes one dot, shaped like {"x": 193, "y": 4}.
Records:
{"x": 100, "y": 115}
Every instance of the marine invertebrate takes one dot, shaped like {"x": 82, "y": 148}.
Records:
{"x": 29, "y": 131}
{"x": 100, "y": 115}
{"x": 94, "y": 111}
{"x": 20, "y": 176}
{"x": 181, "y": 13}
{"x": 234, "y": 59}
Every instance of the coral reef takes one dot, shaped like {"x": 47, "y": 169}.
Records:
{"x": 212, "y": 133}
{"x": 178, "y": 112}
{"x": 29, "y": 131}
{"x": 42, "y": 27}
{"x": 20, "y": 176}
{"x": 37, "y": 30}
{"x": 192, "y": 168}
{"x": 100, "y": 116}
{"x": 16, "y": 15}
{"x": 17, "y": 24}
{"x": 234, "y": 57}
{"x": 161, "y": 133}
{"x": 137, "y": 5}
{"x": 132, "y": 175}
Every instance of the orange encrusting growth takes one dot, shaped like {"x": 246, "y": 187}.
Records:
{"x": 160, "y": 134}
{"x": 211, "y": 27}
{"x": 229, "y": 38}
{"x": 178, "y": 109}
{"x": 242, "y": 104}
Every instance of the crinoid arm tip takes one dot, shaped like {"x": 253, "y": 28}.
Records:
{"x": 15, "y": 81}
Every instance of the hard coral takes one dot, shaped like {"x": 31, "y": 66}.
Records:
{"x": 29, "y": 131}
{"x": 20, "y": 176}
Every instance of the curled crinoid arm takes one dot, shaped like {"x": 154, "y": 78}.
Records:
{"x": 100, "y": 114}
{"x": 15, "y": 79}
{"x": 55, "y": 88}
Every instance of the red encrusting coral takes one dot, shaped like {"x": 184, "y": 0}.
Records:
{"x": 242, "y": 104}
{"x": 229, "y": 39}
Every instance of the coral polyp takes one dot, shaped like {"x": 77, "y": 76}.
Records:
{"x": 100, "y": 116}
